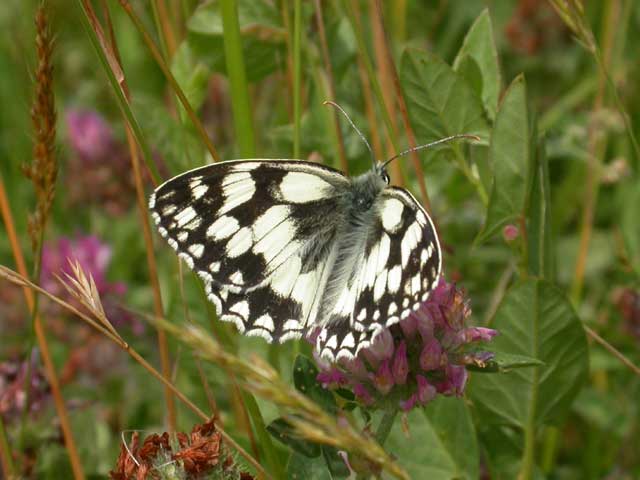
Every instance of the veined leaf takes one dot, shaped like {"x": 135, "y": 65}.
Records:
{"x": 479, "y": 44}
{"x": 442, "y": 442}
{"x": 440, "y": 102}
{"x": 509, "y": 152}
{"x": 535, "y": 320}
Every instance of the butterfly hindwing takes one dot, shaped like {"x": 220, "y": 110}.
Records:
{"x": 399, "y": 267}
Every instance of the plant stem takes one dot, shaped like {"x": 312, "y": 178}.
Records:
{"x": 597, "y": 146}
{"x": 331, "y": 83}
{"x": 234, "y": 59}
{"x": 297, "y": 76}
{"x": 6, "y": 459}
{"x": 385, "y": 425}
{"x": 352, "y": 8}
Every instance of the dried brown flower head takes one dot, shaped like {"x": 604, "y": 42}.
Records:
{"x": 43, "y": 170}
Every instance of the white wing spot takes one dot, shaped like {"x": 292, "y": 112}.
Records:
{"x": 197, "y": 249}
{"x": 266, "y": 322}
{"x": 270, "y": 220}
{"x": 424, "y": 256}
{"x": 381, "y": 283}
{"x": 405, "y": 314}
{"x": 223, "y": 227}
{"x": 198, "y": 191}
{"x": 409, "y": 241}
{"x": 332, "y": 343}
{"x": 393, "y": 308}
{"x": 214, "y": 267}
{"x": 284, "y": 278}
{"x": 362, "y": 315}
{"x": 193, "y": 224}
{"x": 300, "y": 187}
{"x": 237, "y": 278}
{"x": 182, "y": 236}
{"x": 415, "y": 283}
{"x": 241, "y": 308}
{"x": 291, "y": 324}
{"x": 421, "y": 217}
{"x": 275, "y": 240}
{"x": 383, "y": 252}
{"x": 393, "y": 281}
{"x": 168, "y": 210}
{"x": 392, "y": 214}
{"x": 425, "y": 295}
{"x": 239, "y": 243}
{"x": 405, "y": 302}
{"x": 185, "y": 216}
{"x": 237, "y": 188}
{"x": 348, "y": 341}
{"x": 416, "y": 306}
{"x": 376, "y": 315}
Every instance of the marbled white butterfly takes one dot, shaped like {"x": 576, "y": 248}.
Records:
{"x": 287, "y": 247}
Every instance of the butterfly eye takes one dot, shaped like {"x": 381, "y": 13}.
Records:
{"x": 385, "y": 177}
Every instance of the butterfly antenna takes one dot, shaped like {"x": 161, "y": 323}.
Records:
{"x": 333, "y": 104}
{"x": 428, "y": 145}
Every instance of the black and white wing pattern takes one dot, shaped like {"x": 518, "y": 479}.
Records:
{"x": 258, "y": 233}
{"x": 289, "y": 248}
{"x": 395, "y": 272}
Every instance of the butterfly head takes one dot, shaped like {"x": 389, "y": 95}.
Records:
{"x": 381, "y": 171}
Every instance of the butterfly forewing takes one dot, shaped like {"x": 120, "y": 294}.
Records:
{"x": 236, "y": 223}
{"x": 400, "y": 265}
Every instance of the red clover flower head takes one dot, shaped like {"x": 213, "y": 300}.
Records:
{"x": 411, "y": 362}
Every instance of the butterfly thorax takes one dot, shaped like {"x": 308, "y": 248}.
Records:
{"x": 359, "y": 206}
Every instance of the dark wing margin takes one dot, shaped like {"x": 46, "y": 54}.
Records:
{"x": 400, "y": 266}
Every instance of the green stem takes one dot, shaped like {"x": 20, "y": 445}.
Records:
{"x": 297, "y": 75}
{"x": 549, "y": 448}
{"x": 5, "y": 453}
{"x": 242, "y": 118}
{"x": 384, "y": 428}
{"x": 31, "y": 341}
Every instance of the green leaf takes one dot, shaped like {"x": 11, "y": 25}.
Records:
{"x": 335, "y": 463}
{"x": 304, "y": 378}
{"x": 303, "y": 468}
{"x": 480, "y": 45}
{"x": 283, "y": 431}
{"x": 535, "y": 320}
{"x": 442, "y": 442}
{"x": 191, "y": 73}
{"x": 509, "y": 152}
{"x": 629, "y": 194}
{"x": 541, "y": 254}
{"x": 440, "y": 102}
{"x": 505, "y": 362}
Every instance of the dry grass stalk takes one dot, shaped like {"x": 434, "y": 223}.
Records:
{"x": 43, "y": 170}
